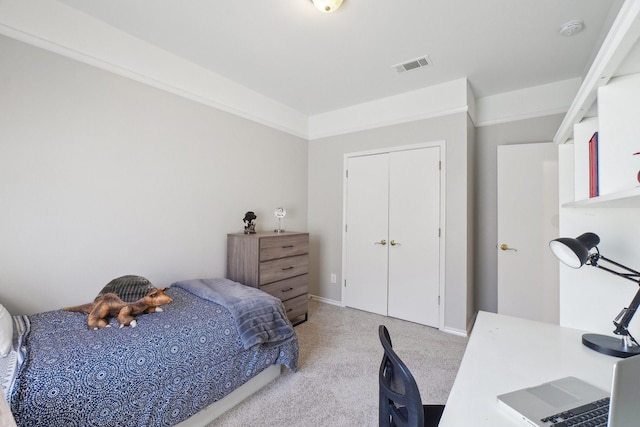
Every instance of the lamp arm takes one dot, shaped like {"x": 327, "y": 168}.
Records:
{"x": 632, "y": 274}
{"x": 627, "y": 314}
{"x": 623, "y": 319}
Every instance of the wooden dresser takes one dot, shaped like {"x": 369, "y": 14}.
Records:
{"x": 276, "y": 263}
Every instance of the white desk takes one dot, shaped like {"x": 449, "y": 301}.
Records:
{"x": 507, "y": 353}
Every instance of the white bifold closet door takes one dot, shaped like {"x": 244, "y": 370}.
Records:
{"x": 393, "y": 234}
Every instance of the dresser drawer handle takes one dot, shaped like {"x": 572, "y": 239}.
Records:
{"x": 290, "y": 310}
{"x": 287, "y": 290}
{"x": 287, "y": 268}
{"x": 288, "y": 246}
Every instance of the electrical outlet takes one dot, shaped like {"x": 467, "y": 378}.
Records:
{"x": 333, "y": 278}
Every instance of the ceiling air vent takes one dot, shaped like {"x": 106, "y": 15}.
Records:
{"x": 413, "y": 64}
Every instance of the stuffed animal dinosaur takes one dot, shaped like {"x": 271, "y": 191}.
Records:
{"x": 110, "y": 305}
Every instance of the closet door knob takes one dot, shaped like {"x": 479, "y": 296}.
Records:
{"x": 381, "y": 242}
{"x": 393, "y": 243}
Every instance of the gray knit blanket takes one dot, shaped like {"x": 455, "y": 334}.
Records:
{"x": 260, "y": 318}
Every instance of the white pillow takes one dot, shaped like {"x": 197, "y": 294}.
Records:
{"x": 6, "y": 331}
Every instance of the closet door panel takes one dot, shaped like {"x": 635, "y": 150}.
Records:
{"x": 414, "y": 242}
{"x": 366, "y": 236}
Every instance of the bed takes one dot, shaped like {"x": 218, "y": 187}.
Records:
{"x": 214, "y": 338}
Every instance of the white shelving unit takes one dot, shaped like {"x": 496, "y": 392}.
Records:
{"x": 609, "y": 101}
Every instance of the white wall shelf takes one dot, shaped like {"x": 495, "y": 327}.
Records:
{"x": 622, "y": 199}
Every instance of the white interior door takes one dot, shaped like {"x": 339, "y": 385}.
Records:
{"x": 414, "y": 242}
{"x": 392, "y": 242}
{"x": 527, "y": 221}
{"x": 367, "y": 220}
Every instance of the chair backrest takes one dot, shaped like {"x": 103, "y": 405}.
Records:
{"x": 400, "y": 402}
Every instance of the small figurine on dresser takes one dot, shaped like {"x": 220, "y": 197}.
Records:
{"x": 249, "y": 223}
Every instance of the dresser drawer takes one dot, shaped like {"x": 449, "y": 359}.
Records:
{"x": 279, "y": 269}
{"x": 296, "y": 307}
{"x": 283, "y": 246}
{"x": 288, "y": 288}
{"x": 276, "y": 263}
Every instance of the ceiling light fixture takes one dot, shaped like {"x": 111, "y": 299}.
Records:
{"x": 327, "y": 6}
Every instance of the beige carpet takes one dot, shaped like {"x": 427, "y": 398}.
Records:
{"x": 337, "y": 379}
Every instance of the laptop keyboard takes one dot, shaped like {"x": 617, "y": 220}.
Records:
{"x": 590, "y": 415}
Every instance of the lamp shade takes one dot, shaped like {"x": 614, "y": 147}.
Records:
{"x": 327, "y": 6}
{"x": 574, "y": 252}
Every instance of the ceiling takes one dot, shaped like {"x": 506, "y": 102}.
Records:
{"x": 315, "y": 62}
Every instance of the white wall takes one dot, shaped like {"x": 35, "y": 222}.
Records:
{"x": 101, "y": 176}
{"x": 591, "y": 298}
{"x": 325, "y": 203}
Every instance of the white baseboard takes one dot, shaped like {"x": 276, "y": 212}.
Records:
{"x": 454, "y": 331}
{"x": 326, "y": 300}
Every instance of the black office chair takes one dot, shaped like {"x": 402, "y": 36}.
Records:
{"x": 400, "y": 403}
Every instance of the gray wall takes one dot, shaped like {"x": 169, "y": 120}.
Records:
{"x": 101, "y": 176}
{"x": 326, "y": 162}
{"x": 488, "y": 138}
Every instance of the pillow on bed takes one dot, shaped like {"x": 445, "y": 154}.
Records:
{"x": 6, "y": 331}
{"x": 129, "y": 288}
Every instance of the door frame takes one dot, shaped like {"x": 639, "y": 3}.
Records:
{"x": 442, "y": 265}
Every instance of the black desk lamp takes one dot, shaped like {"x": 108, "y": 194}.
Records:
{"x": 575, "y": 253}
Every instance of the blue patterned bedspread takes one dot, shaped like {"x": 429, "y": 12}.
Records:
{"x": 172, "y": 365}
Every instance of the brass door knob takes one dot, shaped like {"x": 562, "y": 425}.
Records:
{"x": 506, "y": 247}
{"x": 381, "y": 242}
{"x": 393, "y": 243}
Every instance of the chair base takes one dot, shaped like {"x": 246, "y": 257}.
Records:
{"x": 432, "y": 414}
